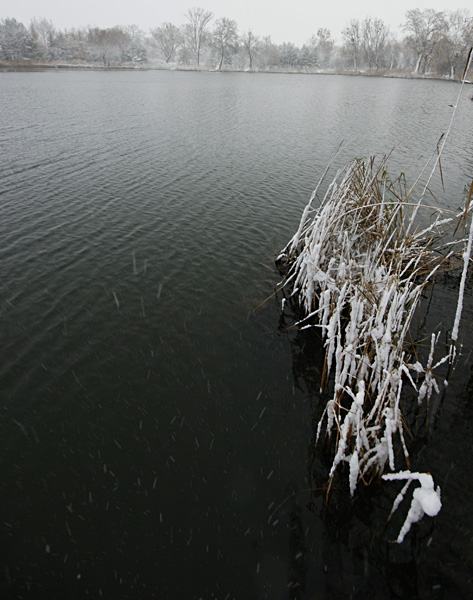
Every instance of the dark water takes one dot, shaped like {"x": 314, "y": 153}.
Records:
{"x": 157, "y": 437}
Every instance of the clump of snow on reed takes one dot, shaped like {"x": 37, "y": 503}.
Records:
{"x": 357, "y": 267}
{"x": 425, "y": 499}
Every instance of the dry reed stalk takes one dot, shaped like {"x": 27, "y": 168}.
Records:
{"x": 357, "y": 266}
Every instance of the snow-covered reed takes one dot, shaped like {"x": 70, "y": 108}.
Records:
{"x": 357, "y": 267}
{"x": 425, "y": 499}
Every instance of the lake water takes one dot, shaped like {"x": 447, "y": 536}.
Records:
{"x": 157, "y": 435}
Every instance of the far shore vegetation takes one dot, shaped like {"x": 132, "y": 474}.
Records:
{"x": 433, "y": 44}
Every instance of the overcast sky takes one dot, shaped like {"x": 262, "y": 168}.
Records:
{"x": 284, "y": 20}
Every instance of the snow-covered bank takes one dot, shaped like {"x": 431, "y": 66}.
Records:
{"x": 30, "y": 65}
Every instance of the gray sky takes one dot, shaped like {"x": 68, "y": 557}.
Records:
{"x": 284, "y": 20}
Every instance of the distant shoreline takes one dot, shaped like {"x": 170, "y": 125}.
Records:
{"x": 27, "y": 66}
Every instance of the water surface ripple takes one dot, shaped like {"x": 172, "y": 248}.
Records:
{"x": 152, "y": 422}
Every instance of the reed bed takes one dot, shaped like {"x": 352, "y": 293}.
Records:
{"x": 357, "y": 267}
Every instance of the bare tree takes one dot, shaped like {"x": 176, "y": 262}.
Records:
{"x": 196, "y": 30}
{"x": 393, "y": 52}
{"x": 352, "y": 37}
{"x": 252, "y": 44}
{"x": 225, "y": 35}
{"x": 426, "y": 29}
{"x": 458, "y": 38}
{"x": 374, "y": 34}
{"x": 167, "y": 39}
{"x": 380, "y": 39}
{"x": 324, "y": 45}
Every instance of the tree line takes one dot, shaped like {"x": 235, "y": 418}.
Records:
{"x": 435, "y": 42}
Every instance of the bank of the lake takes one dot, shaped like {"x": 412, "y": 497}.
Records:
{"x": 27, "y": 65}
